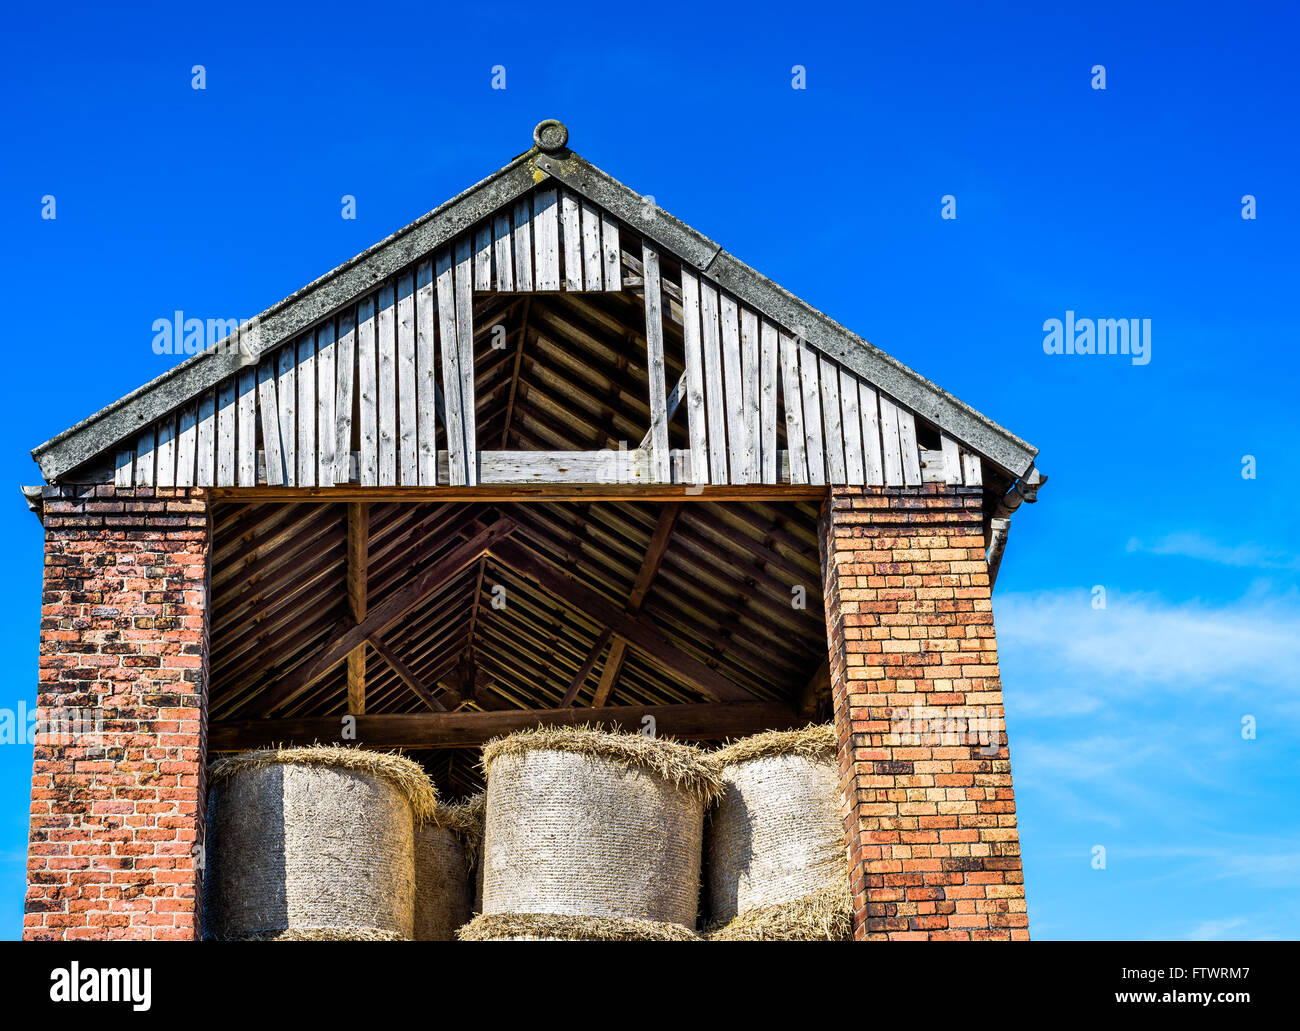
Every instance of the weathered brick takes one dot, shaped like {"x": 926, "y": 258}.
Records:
{"x": 909, "y": 622}
{"x": 114, "y": 817}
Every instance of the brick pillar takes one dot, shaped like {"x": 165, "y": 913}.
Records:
{"x": 931, "y": 820}
{"x": 118, "y": 771}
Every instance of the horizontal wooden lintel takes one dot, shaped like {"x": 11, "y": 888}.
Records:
{"x": 705, "y": 721}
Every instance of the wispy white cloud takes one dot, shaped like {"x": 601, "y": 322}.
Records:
{"x": 1246, "y": 555}
{"x": 1143, "y": 639}
{"x": 1214, "y": 930}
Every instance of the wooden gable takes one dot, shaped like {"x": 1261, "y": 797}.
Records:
{"x": 542, "y": 328}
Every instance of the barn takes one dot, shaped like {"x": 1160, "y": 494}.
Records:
{"x": 545, "y": 457}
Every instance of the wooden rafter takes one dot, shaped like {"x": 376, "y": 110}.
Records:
{"x": 358, "y": 592}
{"x": 639, "y": 631}
{"x": 654, "y": 558}
{"x": 404, "y": 673}
{"x": 388, "y": 612}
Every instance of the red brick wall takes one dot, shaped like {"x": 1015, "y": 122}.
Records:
{"x": 115, "y": 821}
{"x": 931, "y": 821}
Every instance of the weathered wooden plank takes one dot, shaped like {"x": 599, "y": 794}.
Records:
{"x": 932, "y": 467}
{"x": 407, "y": 436}
{"x": 344, "y": 382}
{"x": 695, "y": 416}
{"x": 124, "y": 469}
{"x": 951, "y": 459}
{"x": 852, "y": 425}
{"x": 908, "y": 450}
{"x": 287, "y": 395}
{"x": 972, "y": 469}
{"x": 246, "y": 429}
{"x": 502, "y": 257}
{"x": 612, "y": 252}
{"x": 546, "y": 240}
{"x": 768, "y": 350}
{"x": 654, "y": 336}
{"x": 368, "y": 388}
{"x": 386, "y": 353}
{"x": 812, "y": 415}
{"x": 426, "y": 383}
{"x": 873, "y": 468}
{"x": 306, "y": 413}
{"x": 739, "y": 449}
{"x": 571, "y": 231}
{"x": 714, "y": 391}
{"x": 832, "y": 419}
{"x": 144, "y": 458}
{"x": 751, "y": 393}
{"x": 465, "y": 344}
{"x": 205, "y": 441}
{"x": 889, "y": 442}
{"x": 227, "y": 430}
{"x": 325, "y": 397}
{"x": 165, "y": 453}
{"x": 483, "y": 257}
{"x": 451, "y": 379}
{"x": 591, "y": 256}
{"x": 268, "y": 403}
{"x": 792, "y": 395}
{"x": 187, "y": 433}
{"x": 523, "y": 245}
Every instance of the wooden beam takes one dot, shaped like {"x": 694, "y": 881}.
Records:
{"x": 697, "y": 722}
{"x": 654, "y": 336}
{"x": 514, "y": 375}
{"x": 405, "y": 674}
{"x": 609, "y": 673}
{"x": 650, "y": 564}
{"x": 358, "y": 595}
{"x": 654, "y": 555}
{"x": 584, "y": 671}
{"x": 816, "y": 694}
{"x": 755, "y": 492}
{"x": 384, "y": 615}
{"x": 639, "y": 631}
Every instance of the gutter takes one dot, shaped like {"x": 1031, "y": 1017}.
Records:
{"x": 1023, "y": 490}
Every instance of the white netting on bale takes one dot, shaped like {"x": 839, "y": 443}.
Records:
{"x": 776, "y": 852}
{"x": 316, "y": 839}
{"x": 446, "y": 850}
{"x": 585, "y": 823}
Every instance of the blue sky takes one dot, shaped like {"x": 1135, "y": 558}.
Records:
{"x": 1125, "y": 722}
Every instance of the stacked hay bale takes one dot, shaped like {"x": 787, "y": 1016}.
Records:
{"x": 592, "y": 835}
{"x": 446, "y": 849}
{"x": 313, "y": 843}
{"x": 777, "y": 867}
{"x": 535, "y": 927}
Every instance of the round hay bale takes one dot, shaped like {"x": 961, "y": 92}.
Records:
{"x": 592, "y": 824}
{"x": 328, "y": 934}
{"x": 445, "y": 852}
{"x": 310, "y": 839}
{"x": 777, "y": 833}
{"x": 823, "y": 915}
{"x": 474, "y": 810}
{"x": 548, "y": 927}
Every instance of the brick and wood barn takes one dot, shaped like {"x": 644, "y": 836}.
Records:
{"x": 545, "y": 456}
